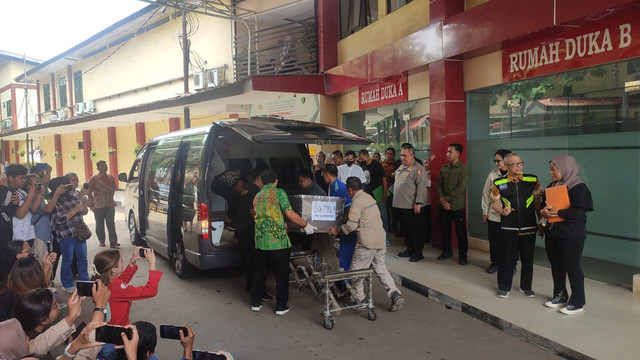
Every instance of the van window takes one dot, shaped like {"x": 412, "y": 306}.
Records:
{"x": 135, "y": 170}
{"x": 191, "y": 178}
{"x": 159, "y": 176}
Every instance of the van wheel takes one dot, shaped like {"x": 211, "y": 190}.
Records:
{"x": 134, "y": 235}
{"x": 180, "y": 265}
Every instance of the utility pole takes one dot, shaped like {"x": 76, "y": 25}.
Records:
{"x": 186, "y": 43}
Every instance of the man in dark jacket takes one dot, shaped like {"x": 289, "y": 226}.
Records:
{"x": 245, "y": 229}
{"x": 308, "y": 185}
{"x": 516, "y": 197}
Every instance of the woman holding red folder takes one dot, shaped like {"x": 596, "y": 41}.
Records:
{"x": 564, "y": 239}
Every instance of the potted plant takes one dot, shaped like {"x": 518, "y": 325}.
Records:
{"x": 21, "y": 153}
{"x": 111, "y": 150}
{"x": 136, "y": 149}
{"x": 73, "y": 155}
{"x": 93, "y": 155}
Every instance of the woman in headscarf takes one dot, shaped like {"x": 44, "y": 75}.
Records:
{"x": 67, "y": 213}
{"x": 564, "y": 240}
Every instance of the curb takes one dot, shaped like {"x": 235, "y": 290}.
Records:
{"x": 490, "y": 319}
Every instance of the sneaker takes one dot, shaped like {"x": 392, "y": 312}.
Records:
{"x": 102, "y": 244}
{"x": 70, "y": 290}
{"x": 282, "y": 311}
{"x": 445, "y": 256}
{"x": 396, "y": 301}
{"x": 571, "y": 309}
{"x": 528, "y": 293}
{"x": 266, "y": 297}
{"x": 502, "y": 294}
{"x": 463, "y": 261}
{"x": 492, "y": 269}
{"x": 114, "y": 245}
{"x": 256, "y": 307}
{"x": 351, "y": 303}
{"x": 556, "y": 302}
{"x": 405, "y": 253}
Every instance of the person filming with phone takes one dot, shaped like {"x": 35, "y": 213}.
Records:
{"x": 109, "y": 267}
{"x": 66, "y": 222}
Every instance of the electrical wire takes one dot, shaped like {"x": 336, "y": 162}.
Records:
{"x": 123, "y": 44}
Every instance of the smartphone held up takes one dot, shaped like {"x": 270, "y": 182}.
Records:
{"x": 110, "y": 334}
{"x": 172, "y": 331}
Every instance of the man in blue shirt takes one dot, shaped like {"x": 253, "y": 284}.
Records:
{"x": 339, "y": 189}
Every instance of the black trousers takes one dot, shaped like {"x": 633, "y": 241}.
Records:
{"x": 392, "y": 215}
{"x": 494, "y": 240}
{"x": 511, "y": 245}
{"x": 426, "y": 211}
{"x": 458, "y": 217}
{"x": 564, "y": 255}
{"x": 280, "y": 259}
{"x": 247, "y": 246}
{"x": 413, "y": 226}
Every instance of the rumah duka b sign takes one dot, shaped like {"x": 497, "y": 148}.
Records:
{"x": 608, "y": 40}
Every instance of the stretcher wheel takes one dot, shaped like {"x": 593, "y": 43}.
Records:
{"x": 372, "y": 315}
{"x": 329, "y": 323}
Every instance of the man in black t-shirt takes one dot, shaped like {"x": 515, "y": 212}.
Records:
{"x": 376, "y": 184}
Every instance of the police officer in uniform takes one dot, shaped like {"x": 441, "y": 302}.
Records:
{"x": 410, "y": 187}
{"x": 516, "y": 197}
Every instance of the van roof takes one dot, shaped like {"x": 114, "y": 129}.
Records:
{"x": 276, "y": 130}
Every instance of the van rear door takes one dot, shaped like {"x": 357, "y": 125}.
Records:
{"x": 267, "y": 130}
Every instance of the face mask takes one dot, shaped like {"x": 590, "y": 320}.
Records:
{"x": 362, "y": 162}
{"x": 349, "y": 163}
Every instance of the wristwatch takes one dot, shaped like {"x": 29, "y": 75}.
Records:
{"x": 102, "y": 310}
{"x": 66, "y": 352}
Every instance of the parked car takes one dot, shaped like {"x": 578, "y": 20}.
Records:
{"x": 170, "y": 205}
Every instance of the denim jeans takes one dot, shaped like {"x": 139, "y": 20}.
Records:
{"x": 69, "y": 247}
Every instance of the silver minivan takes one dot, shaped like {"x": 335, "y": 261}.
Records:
{"x": 170, "y": 205}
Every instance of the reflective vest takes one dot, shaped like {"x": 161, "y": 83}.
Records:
{"x": 519, "y": 196}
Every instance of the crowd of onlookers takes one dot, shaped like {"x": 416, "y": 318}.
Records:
{"x": 41, "y": 221}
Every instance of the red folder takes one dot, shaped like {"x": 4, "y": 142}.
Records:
{"x": 558, "y": 199}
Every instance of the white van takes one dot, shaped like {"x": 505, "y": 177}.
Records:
{"x": 169, "y": 203}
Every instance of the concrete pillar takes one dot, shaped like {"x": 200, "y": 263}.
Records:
{"x": 448, "y": 125}
{"x": 113, "y": 157}
{"x": 86, "y": 149}
{"x": 174, "y": 124}
{"x": 57, "y": 144}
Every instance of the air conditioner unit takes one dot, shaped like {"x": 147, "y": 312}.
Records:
{"x": 212, "y": 78}
{"x": 88, "y": 106}
{"x": 198, "y": 81}
{"x": 62, "y": 115}
{"x": 79, "y": 108}
{"x": 215, "y": 77}
{"x": 53, "y": 118}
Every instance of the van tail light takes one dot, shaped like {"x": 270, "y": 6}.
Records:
{"x": 203, "y": 220}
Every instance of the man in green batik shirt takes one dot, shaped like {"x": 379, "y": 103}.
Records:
{"x": 271, "y": 205}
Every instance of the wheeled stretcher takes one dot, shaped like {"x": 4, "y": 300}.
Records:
{"x": 304, "y": 273}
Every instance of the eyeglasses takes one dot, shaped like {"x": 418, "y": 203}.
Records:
{"x": 521, "y": 163}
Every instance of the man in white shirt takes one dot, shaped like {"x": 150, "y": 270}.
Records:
{"x": 22, "y": 227}
{"x": 349, "y": 168}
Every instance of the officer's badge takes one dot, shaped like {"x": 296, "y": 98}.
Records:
{"x": 502, "y": 187}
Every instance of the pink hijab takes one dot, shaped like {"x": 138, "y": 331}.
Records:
{"x": 568, "y": 168}
{"x": 13, "y": 341}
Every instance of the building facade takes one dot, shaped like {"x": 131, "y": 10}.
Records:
{"x": 486, "y": 74}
